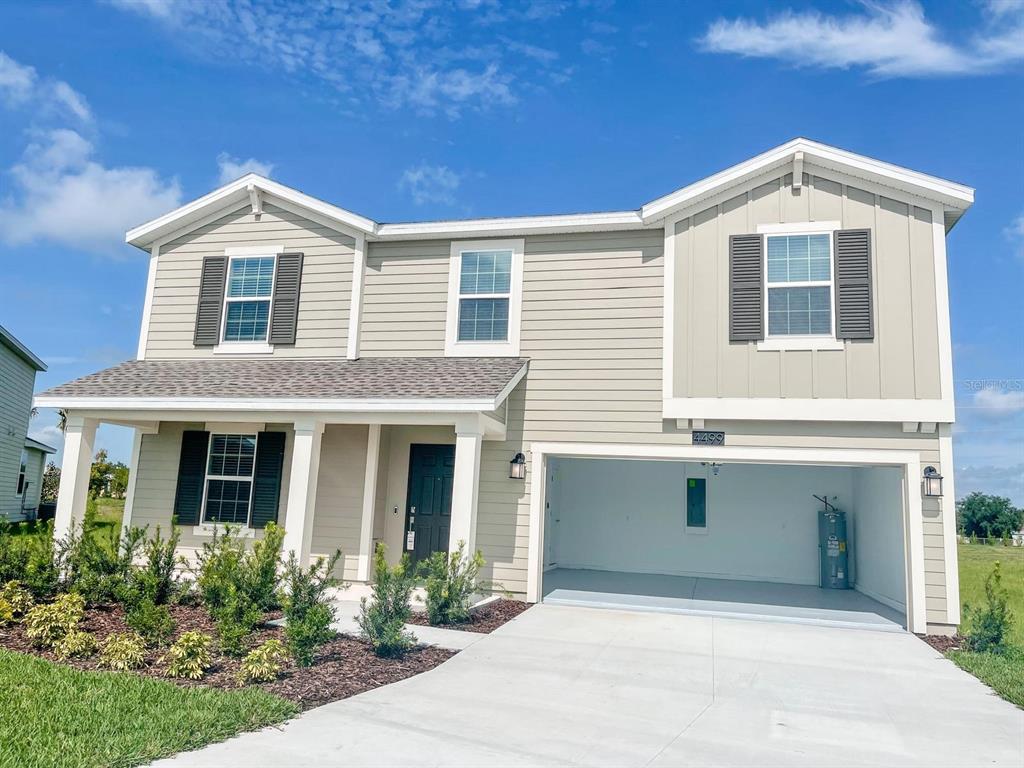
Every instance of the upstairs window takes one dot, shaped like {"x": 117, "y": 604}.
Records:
{"x": 229, "y": 473}
{"x": 485, "y": 289}
{"x": 247, "y": 298}
{"x": 799, "y": 285}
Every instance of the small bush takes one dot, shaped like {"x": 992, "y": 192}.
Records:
{"x": 308, "y": 609}
{"x": 260, "y": 568}
{"x": 988, "y": 626}
{"x": 190, "y": 656}
{"x": 383, "y": 620}
{"x": 17, "y": 597}
{"x": 218, "y": 568}
{"x": 49, "y": 622}
{"x": 98, "y": 565}
{"x": 123, "y": 652}
{"x": 153, "y": 622}
{"x": 76, "y": 644}
{"x": 236, "y": 621}
{"x": 27, "y": 554}
{"x": 6, "y": 613}
{"x": 157, "y": 577}
{"x": 450, "y": 582}
{"x": 263, "y": 664}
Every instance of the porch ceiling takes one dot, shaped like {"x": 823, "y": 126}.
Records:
{"x": 481, "y": 380}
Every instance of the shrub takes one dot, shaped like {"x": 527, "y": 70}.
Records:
{"x": 218, "y": 568}
{"x": 17, "y": 597}
{"x": 123, "y": 651}
{"x": 190, "y": 656}
{"x": 6, "y": 613}
{"x": 29, "y": 558}
{"x": 76, "y": 644}
{"x": 450, "y": 582}
{"x": 308, "y": 609}
{"x": 236, "y": 620}
{"x": 99, "y": 565}
{"x": 987, "y": 627}
{"x": 263, "y": 664}
{"x": 260, "y": 568}
{"x": 383, "y": 620}
{"x": 49, "y": 622}
{"x": 153, "y": 622}
{"x": 158, "y": 578}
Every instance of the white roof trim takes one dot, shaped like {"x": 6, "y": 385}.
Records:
{"x": 951, "y": 195}
{"x": 947, "y": 192}
{"x": 346, "y": 405}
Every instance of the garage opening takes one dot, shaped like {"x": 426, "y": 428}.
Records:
{"x": 733, "y": 539}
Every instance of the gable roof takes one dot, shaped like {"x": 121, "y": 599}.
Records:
{"x": 954, "y": 198}
{"x": 38, "y": 446}
{"x": 8, "y": 340}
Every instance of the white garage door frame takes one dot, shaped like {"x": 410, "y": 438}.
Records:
{"x": 908, "y": 461}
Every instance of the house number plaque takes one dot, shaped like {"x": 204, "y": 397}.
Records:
{"x": 702, "y": 437}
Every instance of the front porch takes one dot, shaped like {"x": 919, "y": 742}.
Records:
{"x": 339, "y": 474}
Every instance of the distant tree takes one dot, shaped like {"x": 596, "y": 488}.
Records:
{"x": 107, "y": 478}
{"x": 988, "y": 516}
{"x": 51, "y": 482}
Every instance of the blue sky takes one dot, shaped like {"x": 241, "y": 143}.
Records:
{"x": 114, "y": 112}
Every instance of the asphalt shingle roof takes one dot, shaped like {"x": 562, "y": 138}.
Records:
{"x": 385, "y": 378}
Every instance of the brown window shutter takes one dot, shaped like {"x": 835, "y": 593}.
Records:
{"x": 211, "y": 301}
{"x": 746, "y": 288}
{"x": 854, "y": 315}
{"x": 284, "y": 315}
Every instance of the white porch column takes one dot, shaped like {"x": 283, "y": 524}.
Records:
{"x": 298, "y": 520}
{"x": 469, "y": 435}
{"x": 369, "y": 499}
{"x": 79, "y": 438}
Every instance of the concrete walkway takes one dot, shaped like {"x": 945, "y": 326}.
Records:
{"x": 578, "y": 686}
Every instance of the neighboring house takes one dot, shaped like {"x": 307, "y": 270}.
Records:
{"x": 21, "y": 459}
{"x": 673, "y": 383}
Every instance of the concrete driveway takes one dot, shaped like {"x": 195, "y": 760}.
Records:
{"x": 579, "y": 686}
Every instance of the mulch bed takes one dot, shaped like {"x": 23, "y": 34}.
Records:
{"x": 343, "y": 667}
{"x": 484, "y": 619}
{"x": 943, "y": 643}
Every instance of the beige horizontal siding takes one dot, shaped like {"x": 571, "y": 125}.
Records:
{"x": 325, "y": 291}
{"x": 338, "y": 514}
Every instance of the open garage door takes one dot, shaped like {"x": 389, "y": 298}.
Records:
{"x": 734, "y": 539}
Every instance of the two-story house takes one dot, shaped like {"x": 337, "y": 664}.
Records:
{"x": 22, "y": 459}
{"x": 636, "y": 404}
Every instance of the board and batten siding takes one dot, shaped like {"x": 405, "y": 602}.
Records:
{"x": 901, "y": 362}
{"x": 17, "y": 379}
{"x": 324, "y": 297}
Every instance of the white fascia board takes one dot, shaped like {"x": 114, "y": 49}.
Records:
{"x": 265, "y": 404}
{"x": 512, "y": 226}
{"x": 238, "y": 192}
{"x": 807, "y": 409}
{"x": 929, "y": 187}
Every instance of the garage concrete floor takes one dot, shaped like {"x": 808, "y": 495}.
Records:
{"x": 753, "y": 600}
{"x": 577, "y": 686}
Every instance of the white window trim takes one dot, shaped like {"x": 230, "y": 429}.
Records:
{"x": 22, "y": 472}
{"x": 207, "y": 528}
{"x": 807, "y": 341}
{"x": 510, "y": 348}
{"x": 225, "y": 347}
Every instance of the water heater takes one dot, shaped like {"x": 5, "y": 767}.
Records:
{"x": 833, "y": 549}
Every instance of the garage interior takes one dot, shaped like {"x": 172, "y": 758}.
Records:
{"x": 725, "y": 539}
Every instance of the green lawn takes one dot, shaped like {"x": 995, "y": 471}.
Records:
{"x": 53, "y": 715}
{"x": 976, "y": 561}
{"x": 1004, "y": 672}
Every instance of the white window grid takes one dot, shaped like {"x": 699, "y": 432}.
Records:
{"x": 251, "y": 478}
{"x": 232, "y": 299}
{"x": 830, "y": 284}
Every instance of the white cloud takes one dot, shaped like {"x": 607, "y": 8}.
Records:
{"x": 990, "y": 403}
{"x": 1015, "y": 232}
{"x": 887, "y": 39}
{"x": 430, "y": 184}
{"x": 65, "y": 196}
{"x": 232, "y": 168}
{"x": 432, "y": 56}
{"x": 22, "y": 87}
{"x": 50, "y": 435}
{"x": 994, "y": 480}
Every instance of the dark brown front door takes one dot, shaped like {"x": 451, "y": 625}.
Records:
{"x": 428, "y": 506}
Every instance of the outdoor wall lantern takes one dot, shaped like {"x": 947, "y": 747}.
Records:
{"x": 517, "y": 467}
{"x": 932, "y": 483}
